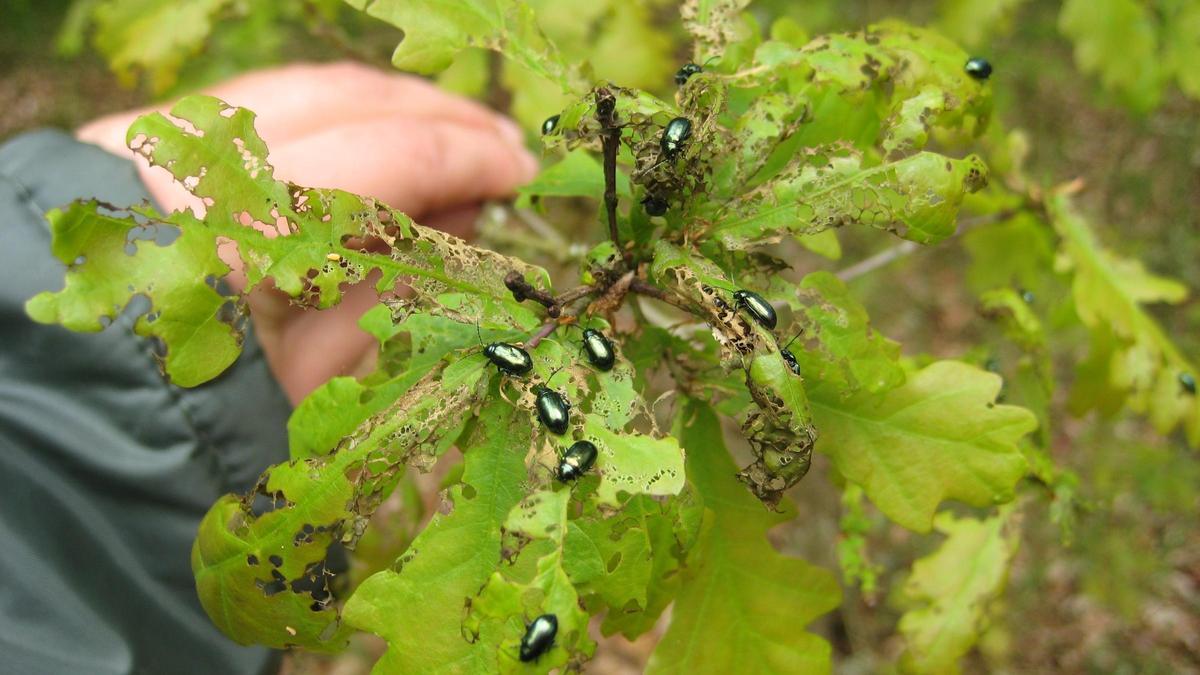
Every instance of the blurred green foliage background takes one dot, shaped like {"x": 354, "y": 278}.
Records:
{"x": 1107, "y": 92}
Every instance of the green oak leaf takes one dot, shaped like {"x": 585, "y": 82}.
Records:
{"x": 1139, "y": 358}
{"x": 973, "y": 22}
{"x": 837, "y": 344}
{"x": 1181, "y": 46}
{"x": 1017, "y": 252}
{"x": 435, "y": 31}
{"x": 579, "y": 174}
{"x": 153, "y": 36}
{"x": 742, "y": 606}
{"x": 939, "y": 436}
{"x": 1117, "y": 40}
{"x": 950, "y": 590}
{"x": 417, "y": 606}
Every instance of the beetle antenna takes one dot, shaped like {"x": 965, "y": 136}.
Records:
{"x": 798, "y": 334}
{"x": 556, "y": 370}
{"x": 479, "y": 335}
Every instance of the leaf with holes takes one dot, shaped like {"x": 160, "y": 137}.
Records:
{"x": 113, "y": 257}
{"x": 259, "y": 574}
{"x": 836, "y": 343}
{"x": 630, "y": 560}
{"x": 417, "y": 607}
{"x": 916, "y": 198}
{"x": 306, "y": 242}
{"x": 536, "y": 583}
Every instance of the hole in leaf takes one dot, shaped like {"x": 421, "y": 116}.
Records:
{"x": 275, "y": 560}
{"x": 278, "y": 584}
{"x": 251, "y": 559}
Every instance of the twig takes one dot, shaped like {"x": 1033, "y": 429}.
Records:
{"x": 542, "y": 333}
{"x": 522, "y": 290}
{"x": 641, "y": 287}
{"x": 574, "y": 294}
{"x": 610, "y": 138}
{"x": 563, "y": 300}
{"x": 886, "y": 256}
{"x": 867, "y": 265}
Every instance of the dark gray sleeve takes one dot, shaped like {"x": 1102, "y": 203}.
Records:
{"x": 105, "y": 468}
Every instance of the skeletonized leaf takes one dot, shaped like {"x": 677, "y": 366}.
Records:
{"x": 418, "y": 606}
{"x": 714, "y": 24}
{"x": 916, "y": 198}
{"x": 779, "y": 428}
{"x": 260, "y": 575}
{"x": 300, "y": 238}
{"x": 635, "y": 463}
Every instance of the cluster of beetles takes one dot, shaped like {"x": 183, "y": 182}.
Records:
{"x": 554, "y": 411}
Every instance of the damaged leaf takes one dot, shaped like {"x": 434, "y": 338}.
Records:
{"x": 308, "y": 241}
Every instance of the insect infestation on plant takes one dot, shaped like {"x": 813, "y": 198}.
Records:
{"x": 688, "y": 224}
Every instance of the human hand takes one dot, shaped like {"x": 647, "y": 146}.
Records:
{"x": 433, "y": 155}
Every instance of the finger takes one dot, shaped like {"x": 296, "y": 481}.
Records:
{"x": 416, "y": 166}
{"x": 319, "y": 345}
{"x": 459, "y": 221}
{"x": 297, "y": 100}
